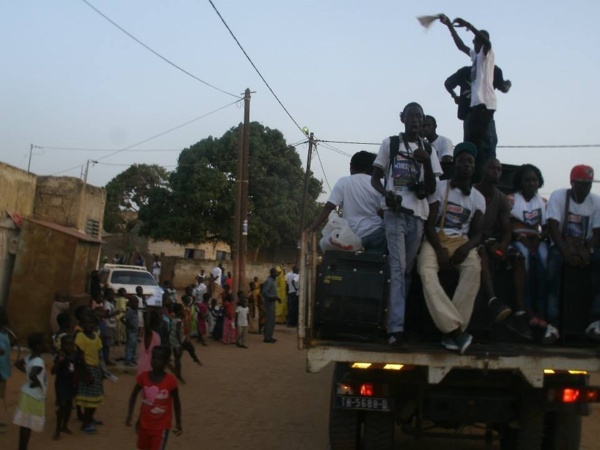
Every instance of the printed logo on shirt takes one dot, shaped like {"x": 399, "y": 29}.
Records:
{"x": 577, "y": 226}
{"x": 456, "y": 216}
{"x": 404, "y": 171}
{"x": 532, "y": 217}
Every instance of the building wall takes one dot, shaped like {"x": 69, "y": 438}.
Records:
{"x": 17, "y": 190}
{"x": 60, "y": 200}
{"x": 168, "y": 248}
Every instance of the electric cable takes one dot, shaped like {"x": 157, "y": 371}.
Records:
{"x": 322, "y": 168}
{"x": 155, "y": 52}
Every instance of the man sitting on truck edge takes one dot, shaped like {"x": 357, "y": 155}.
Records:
{"x": 409, "y": 168}
{"x": 360, "y": 201}
{"x": 496, "y": 234}
{"x": 453, "y": 232}
{"x": 574, "y": 226}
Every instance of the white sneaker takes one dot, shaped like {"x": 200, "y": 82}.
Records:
{"x": 551, "y": 335}
{"x": 593, "y": 330}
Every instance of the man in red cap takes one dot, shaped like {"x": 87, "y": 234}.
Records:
{"x": 574, "y": 226}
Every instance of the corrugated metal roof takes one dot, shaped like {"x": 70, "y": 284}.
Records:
{"x": 66, "y": 230}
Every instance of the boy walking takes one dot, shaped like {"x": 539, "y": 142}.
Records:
{"x": 160, "y": 397}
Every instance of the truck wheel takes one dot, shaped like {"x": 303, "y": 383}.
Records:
{"x": 378, "y": 431}
{"x": 343, "y": 429}
{"x": 344, "y": 426}
{"x": 562, "y": 431}
{"x": 530, "y": 434}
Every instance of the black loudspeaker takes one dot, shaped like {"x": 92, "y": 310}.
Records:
{"x": 352, "y": 289}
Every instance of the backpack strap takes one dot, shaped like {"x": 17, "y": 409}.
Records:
{"x": 394, "y": 150}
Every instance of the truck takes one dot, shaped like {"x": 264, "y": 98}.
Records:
{"x": 505, "y": 392}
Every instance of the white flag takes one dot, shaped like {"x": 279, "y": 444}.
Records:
{"x": 426, "y": 21}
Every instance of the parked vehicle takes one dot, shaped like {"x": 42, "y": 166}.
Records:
{"x": 118, "y": 276}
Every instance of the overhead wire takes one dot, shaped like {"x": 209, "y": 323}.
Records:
{"x": 83, "y": 149}
{"x": 151, "y": 138}
{"x": 322, "y": 168}
{"x": 154, "y": 51}
{"x": 255, "y": 68}
{"x": 499, "y": 146}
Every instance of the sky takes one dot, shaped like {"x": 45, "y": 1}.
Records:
{"x": 343, "y": 68}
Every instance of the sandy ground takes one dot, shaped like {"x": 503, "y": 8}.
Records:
{"x": 239, "y": 399}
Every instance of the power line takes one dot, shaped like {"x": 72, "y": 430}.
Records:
{"x": 337, "y": 150}
{"x": 153, "y": 51}
{"x": 499, "y": 146}
{"x": 322, "y": 168}
{"x": 82, "y": 149}
{"x": 255, "y": 68}
{"x": 150, "y": 138}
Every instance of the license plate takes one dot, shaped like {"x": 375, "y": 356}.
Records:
{"x": 369, "y": 403}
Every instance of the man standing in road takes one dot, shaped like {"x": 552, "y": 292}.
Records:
{"x": 293, "y": 280}
{"x": 483, "y": 97}
{"x": 409, "y": 168}
{"x": 268, "y": 291}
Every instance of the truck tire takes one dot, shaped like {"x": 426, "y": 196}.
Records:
{"x": 562, "y": 431}
{"x": 344, "y": 426}
{"x": 530, "y": 433}
{"x": 378, "y": 431}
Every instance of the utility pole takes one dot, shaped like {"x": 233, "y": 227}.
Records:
{"x": 80, "y": 225}
{"x": 311, "y": 143}
{"x": 240, "y": 233}
{"x": 30, "y": 153}
{"x": 244, "y": 205}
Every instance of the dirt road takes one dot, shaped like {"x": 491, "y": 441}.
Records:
{"x": 240, "y": 399}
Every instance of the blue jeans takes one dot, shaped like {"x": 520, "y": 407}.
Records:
{"x": 375, "y": 242}
{"x": 541, "y": 269}
{"x": 555, "y": 265}
{"x": 404, "y": 234}
{"x": 131, "y": 346}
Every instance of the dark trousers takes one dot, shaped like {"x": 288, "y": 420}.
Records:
{"x": 476, "y": 128}
{"x": 292, "y": 319}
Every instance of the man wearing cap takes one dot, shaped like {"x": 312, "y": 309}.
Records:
{"x": 409, "y": 170}
{"x": 453, "y": 232}
{"x": 574, "y": 225}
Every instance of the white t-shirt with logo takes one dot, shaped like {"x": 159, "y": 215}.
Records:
{"x": 531, "y": 213}
{"x": 582, "y": 217}
{"x": 482, "y": 79}
{"x": 443, "y": 147}
{"x": 404, "y": 171}
{"x": 360, "y": 202}
{"x": 460, "y": 208}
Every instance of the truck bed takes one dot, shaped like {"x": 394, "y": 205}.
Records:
{"x": 529, "y": 359}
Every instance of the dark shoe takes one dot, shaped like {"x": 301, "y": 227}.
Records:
{"x": 520, "y": 325}
{"x": 498, "y": 310}
{"x": 89, "y": 429}
{"x": 464, "y": 342}
{"x": 593, "y": 331}
{"x": 449, "y": 343}
{"x": 397, "y": 340}
{"x": 270, "y": 341}
{"x": 551, "y": 335}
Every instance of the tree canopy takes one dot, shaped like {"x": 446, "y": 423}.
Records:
{"x": 128, "y": 191}
{"x": 197, "y": 204}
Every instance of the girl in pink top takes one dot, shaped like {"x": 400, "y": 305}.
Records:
{"x": 151, "y": 339}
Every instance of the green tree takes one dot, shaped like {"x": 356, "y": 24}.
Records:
{"x": 198, "y": 203}
{"x": 128, "y": 191}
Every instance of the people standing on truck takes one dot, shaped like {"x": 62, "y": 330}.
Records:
{"x": 574, "y": 226}
{"x": 528, "y": 223}
{"x": 409, "y": 167}
{"x": 496, "y": 235}
{"x": 293, "y": 285}
{"x": 462, "y": 79}
{"x": 483, "y": 97}
{"x": 443, "y": 146}
{"x": 361, "y": 203}
{"x": 269, "y": 293}
{"x": 156, "y": 268}
{"x": 453, "y": 232}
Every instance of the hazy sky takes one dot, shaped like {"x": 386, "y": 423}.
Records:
{"x": 344, "y": 68}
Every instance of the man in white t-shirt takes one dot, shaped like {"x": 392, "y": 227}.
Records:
{"x": 409, "y": 166}
{"x": 453, "y": 231}
{"x": 360, "y": 202}
{"x": 576, "y": 241}
{"x": 443, "y": 146}
{"x": 483, "y": 97}
{"x": 292, "y": 280}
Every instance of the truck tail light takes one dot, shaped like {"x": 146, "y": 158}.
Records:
{"x": 366, "y": 390}
{"x": 577, "y": 395}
